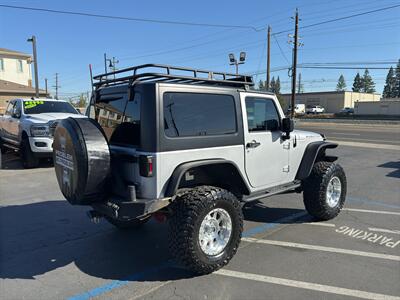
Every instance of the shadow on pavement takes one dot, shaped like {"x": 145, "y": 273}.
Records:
{"x": 40, "y": 237}
{"x": 11, "y": 161}
{"x": 392, "y": 165}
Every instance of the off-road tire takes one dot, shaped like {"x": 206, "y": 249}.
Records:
{"x": 189, "y": 209}
{"x": 315, "y": 187}
{"x": 29, "y": 160}
{"x": 126, "y": 225}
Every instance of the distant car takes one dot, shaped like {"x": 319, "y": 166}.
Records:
{"x": 299, "y": 109}
{"x": 347, "y": 111}
{"x": 315, "y": 109}
{"x": 28, "y": 125}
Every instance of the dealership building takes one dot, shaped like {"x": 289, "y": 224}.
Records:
{"x": 334, "y": 101}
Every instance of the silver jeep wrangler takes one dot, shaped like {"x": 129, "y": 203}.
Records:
{"x": 192, "y": 146}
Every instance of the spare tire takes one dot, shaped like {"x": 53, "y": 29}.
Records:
{"x": 81, "y": 160}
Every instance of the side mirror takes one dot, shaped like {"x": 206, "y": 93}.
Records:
{"x": 287, "y": 126}
{"x": 17, "y": 114}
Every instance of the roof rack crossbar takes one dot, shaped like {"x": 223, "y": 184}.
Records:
{"x": 220, "y": 78}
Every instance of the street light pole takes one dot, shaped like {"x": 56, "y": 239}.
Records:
{"x": 235, "y": 62}
{"x": 35, "y": 65}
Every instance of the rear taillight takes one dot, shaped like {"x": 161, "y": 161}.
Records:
{"x": 146, "y": 165}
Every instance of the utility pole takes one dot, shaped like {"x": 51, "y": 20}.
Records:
{"x": 35, "y": 64}
{"x": 45, "y": 84}
{"x": 56, "y": 86}
{"x": 268, "y": 58}
{"x": 113, "y": 62}
{"x": 299, "y": 87}
{"x": 105, "y": 63}
{"x": 294, "y": 66}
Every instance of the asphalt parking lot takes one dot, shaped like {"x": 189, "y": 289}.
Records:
{"x": 50, "y": 250}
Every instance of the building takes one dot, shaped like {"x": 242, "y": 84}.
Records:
{"x": 15, "y": 67}
{"x": 334, "y": 101}
{"x": 10, "y": 90}
{"x": 387, "y": 108}
{"x": 15, "y": 77}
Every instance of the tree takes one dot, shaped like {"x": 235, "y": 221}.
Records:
{"x": 82, "y": 101}
{"x": 272, "y": 85}
{"x": 277, "y": 86}
{"x": 396, "y": 92}
{"x": 368, "y": 85}
{"x": 389, "y": 91}
{"x": 341, "y": 85}
{"x": 261, "y": 85}
{"x": 357, "y": 84}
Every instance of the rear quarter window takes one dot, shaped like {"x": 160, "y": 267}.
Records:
{"x": 198, "y": 114}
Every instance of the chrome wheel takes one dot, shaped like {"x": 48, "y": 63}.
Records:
{"x": 333, "y": 191}
{"x": 215, "y": 232}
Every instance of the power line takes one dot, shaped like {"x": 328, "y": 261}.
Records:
{"x": 343, "y": 68}
{"x": 280, "y": 49}
{"x": 341, "y": 18}
{"x": 76, "y": 13}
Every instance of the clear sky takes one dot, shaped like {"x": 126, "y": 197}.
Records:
{"x": 67, "y": 44}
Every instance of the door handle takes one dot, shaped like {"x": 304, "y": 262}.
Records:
{"x": 253, "y": 144}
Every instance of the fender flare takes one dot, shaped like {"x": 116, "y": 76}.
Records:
{"x": 180, "y": 171}
{"x": 313, "y": 150}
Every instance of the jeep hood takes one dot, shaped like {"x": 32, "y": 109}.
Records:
{"x": 306, "y": 135}
{"x": 46, "y": 117}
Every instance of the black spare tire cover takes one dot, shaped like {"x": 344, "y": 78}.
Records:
{"x": 81, "y": 159}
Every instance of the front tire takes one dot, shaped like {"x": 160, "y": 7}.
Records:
{"x": 29, "y": 160}
{"x": 324, "y": 191}
{"x": 205, "y": 228}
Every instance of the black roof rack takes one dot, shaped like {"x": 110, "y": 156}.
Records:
{"x": 166, "y": 73}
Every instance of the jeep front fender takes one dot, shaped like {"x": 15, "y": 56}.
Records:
{"x": 313, "y": 151}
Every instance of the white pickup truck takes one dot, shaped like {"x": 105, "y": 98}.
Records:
{"x": 28, "y": 125}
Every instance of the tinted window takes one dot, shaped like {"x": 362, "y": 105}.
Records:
{"x": 261, "y": 114}
{"x": 109, "y": 110}
{"x": 17, "y": 107}
{"x": 39, "y": 106}
{"x": 9, "y": 108}
{"x": 128, "y": 130}
{"x": 190, "y": 114}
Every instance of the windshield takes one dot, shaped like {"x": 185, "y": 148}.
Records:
{"x": 38, "y": 107}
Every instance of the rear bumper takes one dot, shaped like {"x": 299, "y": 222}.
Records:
{"x": 128, "y": 210}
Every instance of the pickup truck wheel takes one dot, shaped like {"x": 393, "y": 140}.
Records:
{"x": 131, "y": 224}
{"x": 3, "y": 149}
{"x": 325, "y": 190}
{"x": 205, "y": 228}
{"x": 29, "y": 160}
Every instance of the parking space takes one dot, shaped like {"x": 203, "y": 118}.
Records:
{"x": 50, "y": 250}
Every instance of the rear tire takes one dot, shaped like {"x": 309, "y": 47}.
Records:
{"x": 126, "y": 225}
{"x": 324, "y": 191}
{"x": 29, "y": 160}
{"x": 205, "y": 228}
